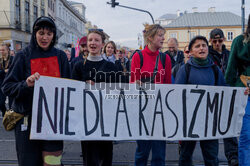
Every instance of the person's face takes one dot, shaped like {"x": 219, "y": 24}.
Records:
{"x": 199, "y": 49}
{"x": 12, "y": 53}
{"x": 186, "y": 54}
{"x": 84, "y": 49}
{"x": 172, "y": 46}
{"x": 110, "y": 49}
{"x": 121, "y": 54}
{"x": 68, "y": 54}
{"x": 44, "y": 38}
{"x": 94, "y": 43}
{"x": 158, "y": 39}
{"x": 3, "y": 50}
{"x": 217, "y": 43}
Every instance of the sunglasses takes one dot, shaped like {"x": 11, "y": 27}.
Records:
{"x": 93, "y": 29}
{"x": 219, "y": 40}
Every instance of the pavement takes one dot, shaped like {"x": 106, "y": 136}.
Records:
{"x": 123, "y": 153}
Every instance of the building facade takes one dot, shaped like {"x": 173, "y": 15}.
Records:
{"x": 70, "y": 23}
{"x": 188, "y": 25}
{"x": 17, "y": 18}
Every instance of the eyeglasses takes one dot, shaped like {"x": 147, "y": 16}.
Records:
{"x": 215, "y": 41}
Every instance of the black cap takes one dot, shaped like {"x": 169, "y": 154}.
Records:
{"x": 44, "y": 20}
{"x": 216, "y": 33}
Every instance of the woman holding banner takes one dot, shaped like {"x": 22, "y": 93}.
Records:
{"x": 238, "y": 74}
{"x": 199, "y": 70}
{"x": 39, "y": 58}
{"x": 95, "y": 70}
{"x": 154, "y": 37}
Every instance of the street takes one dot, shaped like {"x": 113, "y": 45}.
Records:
{"x": 123, "y": 154}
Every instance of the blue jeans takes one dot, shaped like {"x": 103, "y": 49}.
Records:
{"x": 209, "y": 149}
{"x": 143, "y": 150}
{"x": 244, "y": 141}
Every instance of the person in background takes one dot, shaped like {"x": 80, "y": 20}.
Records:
{"x": 154, "y": 37}
{"x": 110, "y": 52}
{"x": 201, "y": 73}
{"x": 67, "y": 52}
{"x": 12, "y": 53}
{"x": 186, "y": 58}
{"x": 39, "y": 58}
{"x": 125, "y": 64}
{"x": 238, "y": 74}
{"x": 5, "y": 61}
{"x": 83, "y": 54}
{"x": 175, "y": 54}
{"x": 96, "y": 153}
{"x": 217, "y": 51}
{"x": 219, "y": 55}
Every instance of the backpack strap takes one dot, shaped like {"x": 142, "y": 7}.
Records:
{"x": 216, "y": 73}
{"x": 163, "y": 59}
{"x": 187, "y": 69}
{"x": 141, "y": 58}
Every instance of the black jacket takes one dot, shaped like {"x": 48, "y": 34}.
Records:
{"x": 179, "y": 58}
{"x": 101, "y": 71}
{"x": 220, "y": 60}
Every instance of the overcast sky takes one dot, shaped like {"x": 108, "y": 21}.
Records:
{"x": 123, "y": 25}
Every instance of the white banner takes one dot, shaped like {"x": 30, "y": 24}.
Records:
{"x": 72, "y": 110}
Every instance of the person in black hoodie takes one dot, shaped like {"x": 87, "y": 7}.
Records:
{"x": 95, "y": 70}
{"x": 220, "y": 55}
{"x": 39, "y": 58}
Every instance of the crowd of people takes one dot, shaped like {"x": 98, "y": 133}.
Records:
{"x": 199, "y": 63}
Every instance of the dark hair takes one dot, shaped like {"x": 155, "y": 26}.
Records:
{"x": 99, "y": 32}
{"x": 45, "y": 23}
{"x": 191, "y": 43}
{"x": 113, "y": 44}
{"x": 247, "y": 33}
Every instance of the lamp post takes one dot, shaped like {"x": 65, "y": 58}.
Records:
{"x": 113, "y": 4}
{"x": 243, "y": 15}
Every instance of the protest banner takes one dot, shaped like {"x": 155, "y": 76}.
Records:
{"x": 72, "y": 110}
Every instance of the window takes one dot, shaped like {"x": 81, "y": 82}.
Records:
{"x": 53, "y": 7}
{"x": 35, "y": 12}
{"x": 192, "y": 35}
{"x": 59, "y": 11}
{"x": 49, "y": 3}
{"x": 230, "y": 36}
{"x": 42, "y": 12}
{"x": 27, "y": 16}
{"x": 173, "y": 35}
{"x": 42, "y": 2}
{"x": 17, "y": 14}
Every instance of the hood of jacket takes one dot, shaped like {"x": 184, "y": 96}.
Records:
{"x": 41, "y": 21}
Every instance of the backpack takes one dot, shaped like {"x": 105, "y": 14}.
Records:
{"x": 214, "y": 67}
{"x": 162, "y": 58}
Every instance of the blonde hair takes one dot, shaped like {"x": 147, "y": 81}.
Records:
{"x": 151, "y": 30}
